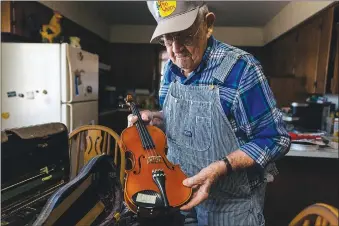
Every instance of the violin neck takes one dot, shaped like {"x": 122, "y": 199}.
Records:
{"x": 145, "y": 137}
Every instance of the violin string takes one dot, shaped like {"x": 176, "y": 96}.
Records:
{"x": 141, "y": 134}
{"x": 146, "y": 139}
{"x": 135, "y": 112}
{"x": 150, "y": 146}
{"x": 150, "y": 143}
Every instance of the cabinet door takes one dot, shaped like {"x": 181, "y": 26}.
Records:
{"x": 280, "y": 55}
{"x": 313, "y": 51}
{"x": 5, "y": 16}
{"x": 335, "y": 79}
{"x": 307, "y": 52}
{"x": 324, "y": 50}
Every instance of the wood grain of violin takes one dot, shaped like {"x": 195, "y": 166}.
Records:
{"x": 153, "y": 185}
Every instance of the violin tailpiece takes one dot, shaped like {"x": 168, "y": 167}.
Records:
{"x": 159, "y": 179}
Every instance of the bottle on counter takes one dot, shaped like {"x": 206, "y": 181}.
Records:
{"x": 336, "y": 128}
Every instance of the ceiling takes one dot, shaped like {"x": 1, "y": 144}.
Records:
{"x": 228, "y": 13}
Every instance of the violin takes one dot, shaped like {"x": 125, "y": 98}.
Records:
{"x": 153, "y": 185}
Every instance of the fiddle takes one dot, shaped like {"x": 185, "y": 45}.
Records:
{"x": 153, "y": 185}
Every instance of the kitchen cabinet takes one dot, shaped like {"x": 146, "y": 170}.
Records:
{"x": 307, "y": 52}
{"x": 326, "y": 28}
{"x": 304, "y": 52}
{"x": 280, "y": 55}
{"x": 5, "y": 16}
{"x": 296, "y": 90}
{"x": 335, "y": 79}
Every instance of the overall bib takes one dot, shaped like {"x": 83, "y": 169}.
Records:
{"x": 199, "y": 133}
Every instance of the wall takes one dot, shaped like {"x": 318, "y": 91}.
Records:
{"x": 289, "y": 17}
{"x": 238, "y": 36}
{"x": 76, "y": 12}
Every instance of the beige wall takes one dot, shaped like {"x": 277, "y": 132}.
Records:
{"x": 238, "y": 36}
{"x": 76, "y": 11}
{"x": 290, "y": 16}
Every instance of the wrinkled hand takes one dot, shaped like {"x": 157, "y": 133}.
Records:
{"x": 151, "y": 118}
{"x": 202, "y": 182}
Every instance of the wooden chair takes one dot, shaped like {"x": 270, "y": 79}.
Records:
{"x": 88, "y": 141}
{"x": 318, "y": 214}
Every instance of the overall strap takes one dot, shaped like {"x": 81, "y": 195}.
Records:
{"x": 226, "y": 65}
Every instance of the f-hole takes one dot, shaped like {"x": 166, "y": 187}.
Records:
{"x": 130, "y": 161}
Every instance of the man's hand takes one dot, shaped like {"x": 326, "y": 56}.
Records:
{"x": 201, "y": 183}
{"x": 151, "y": 118}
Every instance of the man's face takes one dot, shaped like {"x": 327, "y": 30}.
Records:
{"x": 187, "y": 47}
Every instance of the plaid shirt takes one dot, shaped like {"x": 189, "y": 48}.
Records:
{"x": 246, "y": 98}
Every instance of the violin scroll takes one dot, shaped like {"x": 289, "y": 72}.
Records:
{"x": 129, "y": 99}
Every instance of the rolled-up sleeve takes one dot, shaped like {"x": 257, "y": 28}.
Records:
{"x": 258, "y": 117}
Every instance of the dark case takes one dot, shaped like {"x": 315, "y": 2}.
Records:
{"x": 34, "y": 164}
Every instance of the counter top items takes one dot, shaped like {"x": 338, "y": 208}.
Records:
{"x": 304, "y": 146}
{"x": 336, "y": 127}
{"x": 311, "y": 115}
{"x": 295, "y": 136}
{"x": 310, "y": 138}
{"x": 315, "y": 113}
{"x": 307, "y": 149}
{"x": 313, "y": 145}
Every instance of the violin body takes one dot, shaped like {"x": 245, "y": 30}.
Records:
{"x": 153, "y": 185}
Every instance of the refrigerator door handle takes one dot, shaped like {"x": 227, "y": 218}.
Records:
{"x": 70, "y": 77}
{"x": 70, "y": 117}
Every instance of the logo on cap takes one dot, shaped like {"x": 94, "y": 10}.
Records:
{"x": 165, "y": 8}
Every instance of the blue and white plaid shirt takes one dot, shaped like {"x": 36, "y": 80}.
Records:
{"x": 246, "y": 98}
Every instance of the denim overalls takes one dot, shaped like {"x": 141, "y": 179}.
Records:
{"x": 198, "y": 134}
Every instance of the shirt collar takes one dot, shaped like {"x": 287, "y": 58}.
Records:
{"x": 211, "y": 42}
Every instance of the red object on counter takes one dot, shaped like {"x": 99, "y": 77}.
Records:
{"x": 295, "y": 136}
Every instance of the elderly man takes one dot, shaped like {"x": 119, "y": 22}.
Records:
{"x": 219, "y": 115}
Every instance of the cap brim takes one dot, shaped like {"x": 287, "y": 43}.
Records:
{"x": 175, "y": 24}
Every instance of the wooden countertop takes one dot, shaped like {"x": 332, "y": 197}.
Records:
{"x": 320, "y": 153}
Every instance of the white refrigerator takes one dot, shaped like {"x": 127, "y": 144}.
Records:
{"x": 43, "y": 83}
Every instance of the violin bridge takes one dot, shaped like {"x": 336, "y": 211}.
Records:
{"x": 154, "y": 159}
